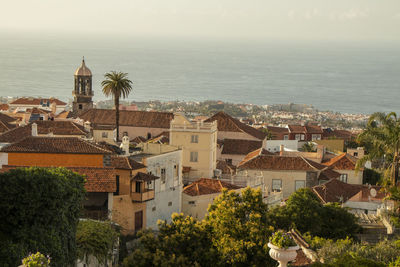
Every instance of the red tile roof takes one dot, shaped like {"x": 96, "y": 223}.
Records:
{"x": 62, "y": 145}
{"x": 6, "y": 123}
{"x": 239, "y": 147}
{"x": 264, "y": 162}
{"x": 337, "y": 191}
{"x": 141, "y": 176}
{"x": 97, "y": 179}
{"x": 4, "y": 107}
{"x": 342, "y": 162}
{"x": 62, "y": 128}
{"x": 36, "y": 101}
{"x": 311, "y": 129}
{"x": 255, "y": 153}
{"x": 227, "y": 123}
{"x": 150, "y": 119}
{"x": 126, "y": 163}
{"x": 275, "y": 129}
{"x": 206, "y": 186}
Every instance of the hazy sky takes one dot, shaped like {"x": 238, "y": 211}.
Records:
{"x": 245, "y": 19}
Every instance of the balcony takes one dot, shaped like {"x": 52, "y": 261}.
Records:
{"x": 146, "y": 195}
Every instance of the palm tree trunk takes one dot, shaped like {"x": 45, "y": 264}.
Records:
{"x": 396, "y": 166}
{"x": 116, "y": 103}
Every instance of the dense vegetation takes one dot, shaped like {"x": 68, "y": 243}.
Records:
{"x": 236, "y": 231}
{"x": 39, "y": 210}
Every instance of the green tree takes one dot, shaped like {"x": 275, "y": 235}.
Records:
{"x": 39, "y": 211}
{"x": 308, "y": 147}
{"x": 97, "y": 239}
{"x": 117, "y": 85}
{"x": 382, "y": 140}
{"x": 240, "y": 229}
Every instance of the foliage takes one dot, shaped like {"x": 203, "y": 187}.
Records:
{"x": 95, "y": 238}
{"x": 395, "y": 263}
{"x": 117, "y": 85}
{"x": 282, "y": 239}
{"x": 304, "y": 211}
{"x": 36, "y": 260}
{"x": 382, "y": 141}
{"x": 371, "y": 176}
{"x": 240, "y": 227}
{"x": 308, "y": 147}
{"x": 183, "y": 242}
{"x": 39, "y": 208}
{"x": 235, "y": 233}
{"x": 351, "y": 260}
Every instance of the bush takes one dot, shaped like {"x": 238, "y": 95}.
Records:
{"x": 39, "y": 208}
{"x": 36, "y": 260}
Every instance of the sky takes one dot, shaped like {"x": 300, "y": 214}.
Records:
{"x": 374, "y": 20}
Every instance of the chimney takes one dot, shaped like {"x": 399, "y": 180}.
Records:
{"x": 86, "y": 125}
{"x": 281, "y": 150}
{"x": 34, "y": 129}
{"x": 125, "y": 144}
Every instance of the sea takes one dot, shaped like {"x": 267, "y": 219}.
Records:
{"x": 346, "y": 77}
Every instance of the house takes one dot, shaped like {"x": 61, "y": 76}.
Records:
{"x": 6, "y": 123}
{"x": 74, "y": 153}
{"x": 285, "y": 174}
{"x": 359, "y": 198}
{"x": 234, "y": 150}
{"x": 165, "y": 162}
{"x": 134, "y": 123}
{"x": 345, "y": 164}
{"x": 278, "y": 133}
{"x": 199, "y": 144}
{"x": 43, "y": 128}
{"x": 50, "y": 104}
{"x": 231, "y": 128}
{"x": 132, "y": 193}
{"x": 198, "y": 195}
{"x": 305, "y": 132}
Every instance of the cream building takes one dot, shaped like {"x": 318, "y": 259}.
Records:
{"x": 199, "y": 144}
{"x": 345, "y": 164}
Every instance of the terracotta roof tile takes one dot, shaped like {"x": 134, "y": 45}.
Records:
{"x": 267, "y": 162}
{"x": 337, "y": 191}
{"x": 205, "y": 186}
{"x": 311, "y": 129}
{"x": 141, "y": 176}
{"x": 342, "y": 162}
{"x": 255, "y": 153}
{"x": 125, "y": 163}
{"x": 97, "y": 179}
{"x": 63, "y": 145}
{"x": 227, "y": 123}
{"x": 36, "y": 101}
{"x": 62, "y": 128}
{"x": 275, "y": 129}
{"x": 131, "y": 118}
{"x": 239, "y": 147}
{"x": 4, "y": 107}
{"x": 225, "y": 167}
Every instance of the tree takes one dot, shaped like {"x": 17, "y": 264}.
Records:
{"x": 96, "y": 239}
{"x": 240, "y": 228}
{"x": 39, "y": 211}
{"x": 382, "y": 139}
{"x": 308, "y": 147}
{"x": 117, "y": 85}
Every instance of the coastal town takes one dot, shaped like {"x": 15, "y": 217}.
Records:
{"x": 143, "y": 162}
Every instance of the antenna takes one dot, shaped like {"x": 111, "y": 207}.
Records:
{"x": 372, "y": 192}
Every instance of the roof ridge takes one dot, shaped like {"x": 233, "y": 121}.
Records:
{"x": 129, "y": 164}
{"x": 198, "y": 190}
{"x": 74, "y": 124}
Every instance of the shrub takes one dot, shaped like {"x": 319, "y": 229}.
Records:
{"x": 39, "y": 208}
{"x": 36, "y": 260}
{"x": 282, "y": 239}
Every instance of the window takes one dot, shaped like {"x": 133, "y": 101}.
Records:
{"x": 116, "y": 193}
{"x": 163, "y": 172}
{"x": 299, "y": 184}
{"x": 286, "y": 137}
{"x": 276, "y": 185}
{"x": 195, "y": 139}
{"x": 355, "y": 154}
{"x": 343, "y": 178}
{"x": 229, "y": 161}
{"x": 80, "y": 106}
{"x": 297, "y": 136}
{"x": 138, "y": 187}
{"x": 316, "y": 137}
{"x": 302, "y": 136}
{"x": 150, "y": 185}
{"x": 170, "y": 203}
{"x": 104, "y": 135}
{"x": 176, "y": 172}
{"x": 192, "y": 202}
{"x": 194, "y": 156}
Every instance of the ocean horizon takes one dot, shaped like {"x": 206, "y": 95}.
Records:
{"x": 345, "y": 77}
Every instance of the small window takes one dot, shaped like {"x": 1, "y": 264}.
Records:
{"x": 154, "y": 208}
{"x": 286, "y": 137}
{"x": 80, "y": 106}
{"x": 195, "y": 139}
{"x": 116, "y": 193}
{"x": 150, "y": 185}
{"x": 229, "y": 161}
{"x": 170, "y": 203}
{"x": 104, "y": 135}
{"x": 276, "y": 185}
{"x": 163, "y": 175}
{"x": 316, "y": 137}
{"x": 343, "y": 178}
{"x": 176, "y": 172}
{"x": 299, "y": 184}
{"x": 297, "y": 137}
{"x": 148, "y": 136}
{"x": 192, "y": 202}
{"x": 302, "y": 137}
{"x": 355, "y": 154}
{"x": 194, "y": 156}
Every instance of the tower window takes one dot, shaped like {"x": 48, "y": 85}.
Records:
{"x": 80, "y": 106}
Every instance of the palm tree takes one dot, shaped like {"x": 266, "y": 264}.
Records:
{"x": 382, "y": 139}
{"x": 117, "y": 85}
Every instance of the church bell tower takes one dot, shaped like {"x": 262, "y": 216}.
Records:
{"x": 83, "y": 92}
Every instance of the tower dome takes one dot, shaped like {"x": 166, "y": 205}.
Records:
{"x": 83, "y": 70}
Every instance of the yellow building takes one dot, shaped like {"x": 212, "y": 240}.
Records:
{"x": 199, "y": 144}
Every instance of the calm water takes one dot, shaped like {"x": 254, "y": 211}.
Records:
{"x": 357, "y": 78}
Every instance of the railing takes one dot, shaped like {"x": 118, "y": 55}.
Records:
{"x": 95, "y": 214}
{"x": 148, "y": 194}
{"x": 206, "y": 126}
{"x": 273, "y": 198}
